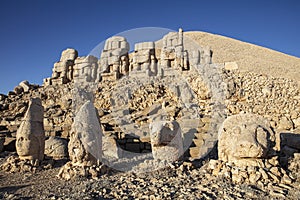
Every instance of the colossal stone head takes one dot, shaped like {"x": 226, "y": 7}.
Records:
{"x": 68, "y": 54}
{"x": 85, "y": 146}
{"x": 166, "y": 140}
{"x": 30, "y": 138}
{"x": 245, "y": 139}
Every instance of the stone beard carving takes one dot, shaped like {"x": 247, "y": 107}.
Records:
{"x": 166, "y": 140}
{"x": 85, "y": 146}
{"x": 30, "y": 143}
{"x": 245, "y": 139}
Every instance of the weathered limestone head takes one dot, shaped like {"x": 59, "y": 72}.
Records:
{"x": 85, "y": 145}
{"x": 68, "y": 54}
{"x": 115, "y": 43}
{"x": 166, "y": 140}
{"x": 163, "y": 132}
{"x": 143, "y": 52}
{"x": 30, "y": 143}
{"x": 112, "y": 57}
{"x": 245, "y": 139}
{"x": 85, "y": 69}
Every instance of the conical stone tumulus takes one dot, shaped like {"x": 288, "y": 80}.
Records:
{"x": 85, "y": 146}
{"x": 30, "y": 143}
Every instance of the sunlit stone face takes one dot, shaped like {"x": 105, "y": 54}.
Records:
{"x": 30, "y": 138}
{"x": 245, "y": 136}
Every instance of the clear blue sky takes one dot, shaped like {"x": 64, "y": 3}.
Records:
{"x": 34, "y": 32}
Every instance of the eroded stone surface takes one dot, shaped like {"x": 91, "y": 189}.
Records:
{"x": 62, "y": 71}
{"x": 245, "y": 139}
{"x": 56, "y": 148}
{"x": 114, "y": 59}
{"x": 85, "y": 146}
{"x": 86, "y": 69}
{"x": 30, "y": 143}
{"x": 166, "y": 140}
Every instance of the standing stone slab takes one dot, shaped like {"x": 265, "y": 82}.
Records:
{"x": 166, "y": 140}
{"x": 85, "y": 146}
{"x": 30, "y": 143}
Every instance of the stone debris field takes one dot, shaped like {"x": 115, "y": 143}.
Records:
{"x": 161, "y": 121}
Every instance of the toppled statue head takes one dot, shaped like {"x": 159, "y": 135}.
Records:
{"x": 245, "y": 139}
{"x": 166, "y": 140}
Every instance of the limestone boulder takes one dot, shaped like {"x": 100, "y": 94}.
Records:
{"x": 25, "y": 85}
{"x": 285, "y": 123}
{"x": 85, "y": 146}
{"x": 110, "y": 148}
{"x": 56, "y": 148}
{"x": 231, "y": 66}
{"x": 245, "y": 139}
{"x": 30, "y": 138}
{"x": 166, "y": 140}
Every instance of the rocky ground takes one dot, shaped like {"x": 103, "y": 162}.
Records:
{"x": 184, "y": 180}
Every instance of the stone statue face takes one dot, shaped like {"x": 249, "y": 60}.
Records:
{"x": 245, "y": 136}
{"x": 27, "y": 146}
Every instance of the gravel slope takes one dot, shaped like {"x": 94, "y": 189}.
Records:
{"x": 248, "y": 56}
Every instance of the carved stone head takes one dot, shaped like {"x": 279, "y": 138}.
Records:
{"x": 245, "y": 137}
{"x": 30, "y": 143}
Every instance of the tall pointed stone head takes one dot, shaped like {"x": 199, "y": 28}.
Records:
{"x": 30, "y": 143}
{"x": 85, "y": 146}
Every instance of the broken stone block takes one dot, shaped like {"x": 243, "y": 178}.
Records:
{"x": 144, "y": 58}
{"x": 68, "y": 54}
{"x": 166, "y": 140}
{"x": 30, "y": 138}
{"x": 285, "y": 123}
{"x": 231, "y": 66}
{"x": 245, "y": 139}
{"x": 172, "y": 53}
{"x": 110, "y": 147}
